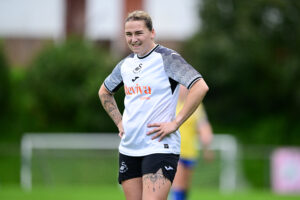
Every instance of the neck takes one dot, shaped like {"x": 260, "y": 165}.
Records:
{"x": 153, "y": 45}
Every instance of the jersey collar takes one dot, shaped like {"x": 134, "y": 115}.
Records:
{"x": 141, "y": 57}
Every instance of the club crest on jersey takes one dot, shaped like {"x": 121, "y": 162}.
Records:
{"x": 137, "y": 69}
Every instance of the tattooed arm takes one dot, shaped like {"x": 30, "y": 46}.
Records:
{"x": 110, "y": 105}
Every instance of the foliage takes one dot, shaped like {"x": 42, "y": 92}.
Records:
{"x": 63, "y": 82}
{"x": 4, "y": 84}
{"x": 248, "y": 52}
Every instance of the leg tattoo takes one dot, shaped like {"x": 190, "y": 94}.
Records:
{"x": 154, "y": 180}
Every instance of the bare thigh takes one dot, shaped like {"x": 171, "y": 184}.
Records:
{"x": 133, "y": 188}
{"x": 156, "y": 186}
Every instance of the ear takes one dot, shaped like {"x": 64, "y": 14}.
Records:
{"x": 153, "y": 33}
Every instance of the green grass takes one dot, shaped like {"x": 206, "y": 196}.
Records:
{"x": 115, "y": 193}
{"x": 62, "y": 193}
{"x": 245, "y": 195}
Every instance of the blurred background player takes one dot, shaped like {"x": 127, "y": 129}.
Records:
{"x": 196, "y": 128}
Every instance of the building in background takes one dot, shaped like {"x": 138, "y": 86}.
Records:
{"x": 26, "y": 26}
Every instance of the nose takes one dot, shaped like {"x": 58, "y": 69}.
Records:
{"x": 134, "y": 38}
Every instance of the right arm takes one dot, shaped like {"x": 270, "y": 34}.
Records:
{"x": 110, "y": 106}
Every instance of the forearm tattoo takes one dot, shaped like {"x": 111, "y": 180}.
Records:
{"x": 111, "y": 107}
{"x": 154, "y": 180}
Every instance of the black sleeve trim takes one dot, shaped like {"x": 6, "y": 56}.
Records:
{"x": 115, "y": 89}
{"x": 107, "y": 88}
{"x": 118, "y": 87}
{"x": 194, "y": 81}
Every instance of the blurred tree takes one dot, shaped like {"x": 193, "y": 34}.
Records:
{"x": 4, "y": 84}
{"x": 75, "y": 17}
{"x": 249, "y": 53}
{"x": 64, "y": 82}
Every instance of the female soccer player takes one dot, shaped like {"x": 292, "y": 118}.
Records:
{"x": 150, "y": 141}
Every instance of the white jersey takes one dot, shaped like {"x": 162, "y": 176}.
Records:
{"x": 151, "y": 88}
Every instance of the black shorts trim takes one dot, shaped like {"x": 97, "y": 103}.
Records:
{"x": 133, "y": 167}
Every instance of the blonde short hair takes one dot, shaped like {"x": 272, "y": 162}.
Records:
{"x": 139, "y": 15}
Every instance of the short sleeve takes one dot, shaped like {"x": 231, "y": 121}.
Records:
{"x": 114, "y": 81}
{"x": 178, "y": 69}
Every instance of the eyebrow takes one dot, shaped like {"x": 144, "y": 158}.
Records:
{"x": 138, "y": 31}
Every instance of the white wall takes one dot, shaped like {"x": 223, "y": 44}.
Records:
{"x": 104, "y": 19}
{"x": 31, "y": 18}
{"x": 172, "y": 19}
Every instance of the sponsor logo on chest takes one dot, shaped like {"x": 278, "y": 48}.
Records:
{"x": 138, "y": 89}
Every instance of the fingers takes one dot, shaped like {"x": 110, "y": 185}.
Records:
{"x": 161, "y": 137}
{"x": 158, "y": 125}
{"x": 121, "y": 130}
{"x": 161, "y": 130}
{"x": 154, "y": 125}
{"x": 153, "y": 131}
{"x": 121, "y": 133}
{"x": 157, "y": 130}
{"x": 158, "y": 134}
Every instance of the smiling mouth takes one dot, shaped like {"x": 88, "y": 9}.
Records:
{"x": 136, "y": 45}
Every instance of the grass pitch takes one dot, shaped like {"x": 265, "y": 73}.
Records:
{"x": 115, "y": 193}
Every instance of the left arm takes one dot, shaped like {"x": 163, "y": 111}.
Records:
{"x": 193, "y": 99}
